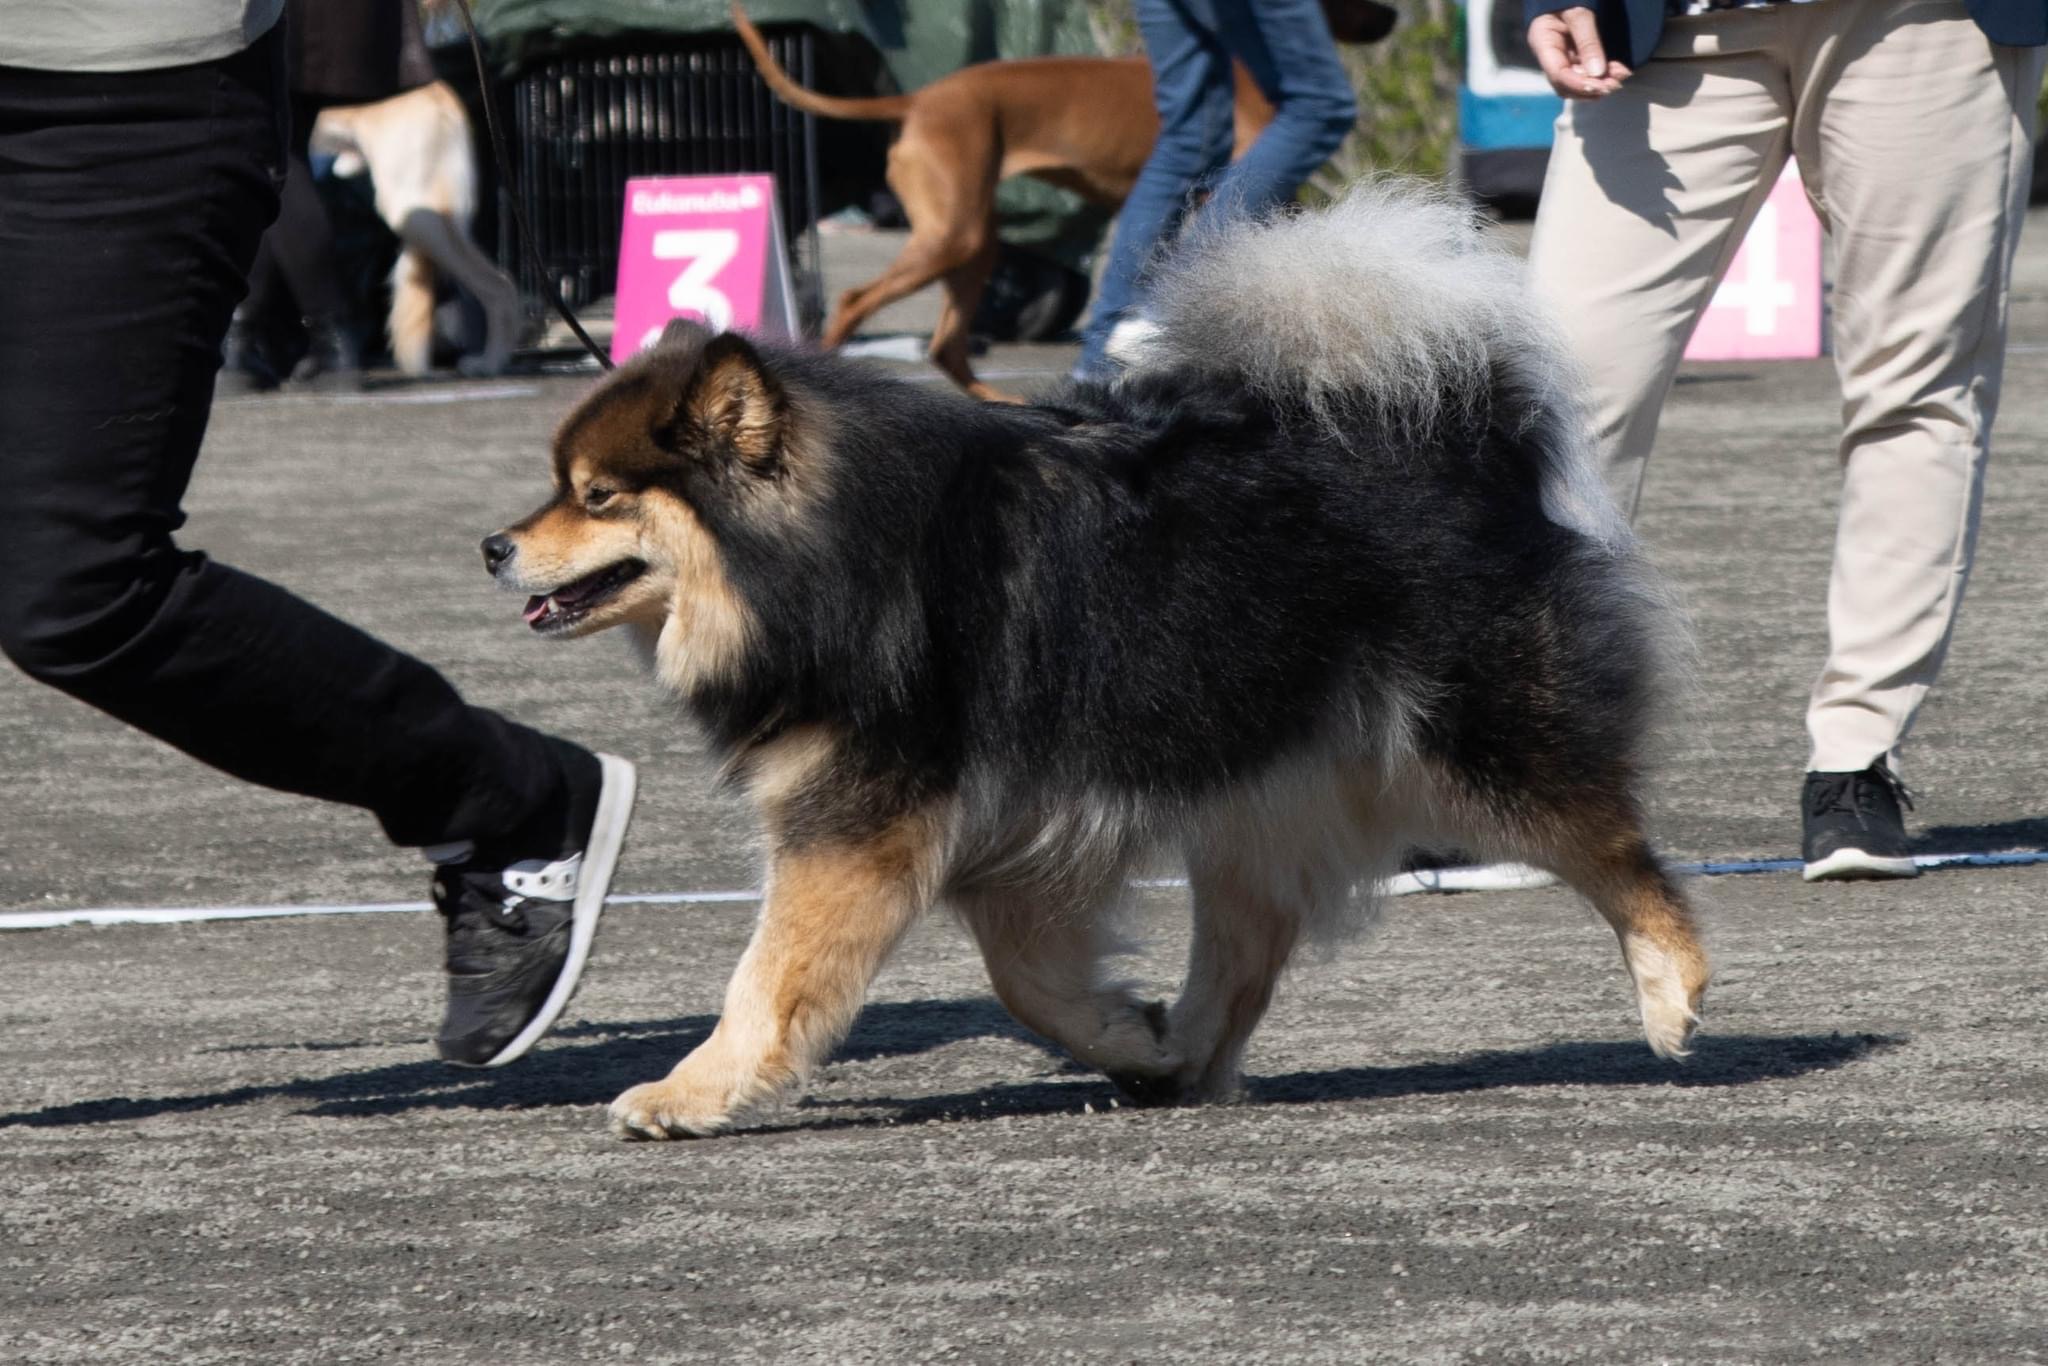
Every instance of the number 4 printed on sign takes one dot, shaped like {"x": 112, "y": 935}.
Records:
{"x": 1769, "y": 306}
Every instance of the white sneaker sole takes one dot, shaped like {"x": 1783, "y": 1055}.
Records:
{"x": 1846, "y": 864}
{"x": 1484, "y": 877}
{"x": 607, "y": 838}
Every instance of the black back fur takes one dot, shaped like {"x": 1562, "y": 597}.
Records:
{"x": 1161, "y": 587}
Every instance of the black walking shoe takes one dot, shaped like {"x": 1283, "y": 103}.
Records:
{"x": 1853, "y": 827}
{"x": 333, "y": 363}
{"x": 520, "y": 929}
{"x": 245, "y": 366}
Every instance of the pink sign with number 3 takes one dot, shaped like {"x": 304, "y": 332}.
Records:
{"x": 702, "y": 247}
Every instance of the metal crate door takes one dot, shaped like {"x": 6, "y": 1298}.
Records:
{"x": 586, "y": 124}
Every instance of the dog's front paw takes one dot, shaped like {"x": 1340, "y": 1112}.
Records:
{"x": 667, "y": 1109}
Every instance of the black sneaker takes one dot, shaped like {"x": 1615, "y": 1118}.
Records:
{"x": 1853, "y": 827}
{"x": 519, "y": 930}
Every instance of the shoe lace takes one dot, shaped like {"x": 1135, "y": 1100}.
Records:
{"x": 1861, "y": 793}
{"x": 456, "y": 893}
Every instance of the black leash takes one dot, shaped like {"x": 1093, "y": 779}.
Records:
{"x": 540, "y": 270}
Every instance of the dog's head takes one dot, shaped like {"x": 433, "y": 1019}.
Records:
{"x": 696, "y": 422}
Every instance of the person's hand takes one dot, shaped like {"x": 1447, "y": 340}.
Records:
{"x": 1567, "y": 47}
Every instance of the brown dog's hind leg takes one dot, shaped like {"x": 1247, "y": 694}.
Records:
{"x": 922, "y": 261}
{"x": 917, "y": 265}
{"x": 952, "y": 339}
{"x": 952, "y": 228}
{"x": 832, "y": 914}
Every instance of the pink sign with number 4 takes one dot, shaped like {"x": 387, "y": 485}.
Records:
{"x": 1768, "y": 304}
{"x": 702, "y": 247}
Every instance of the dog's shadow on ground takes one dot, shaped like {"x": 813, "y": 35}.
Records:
{"x": 589, "y": 1064}
{"x": 1722, "y": 1060}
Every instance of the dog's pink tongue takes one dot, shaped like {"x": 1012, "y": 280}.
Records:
{"x": 536, "y": 608}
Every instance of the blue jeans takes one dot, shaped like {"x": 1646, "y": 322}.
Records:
{"x": 1287, "y": 48}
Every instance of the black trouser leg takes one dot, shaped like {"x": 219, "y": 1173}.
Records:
{"x": 131, "y": 208}
{"x": 298, "y": 251}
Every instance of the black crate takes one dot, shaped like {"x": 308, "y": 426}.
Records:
{"x": 586, "y": 123}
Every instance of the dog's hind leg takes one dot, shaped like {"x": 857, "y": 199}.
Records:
{"x": 832, "y": 913}
{"x": 919, "y": 263}
{"x": 411, "y": 318}
{"x": 1045, "y": 961}
{"x": 952, "y": 223}
{"x": 441, "y": 240}
{"x": 1598, "y": 847}
{"x": 952, "y": 338}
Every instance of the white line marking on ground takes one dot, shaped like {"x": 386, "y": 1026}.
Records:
{"x": 179, "y": 915}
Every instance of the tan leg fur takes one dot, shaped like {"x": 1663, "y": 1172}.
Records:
{"x": 833, "y": 912}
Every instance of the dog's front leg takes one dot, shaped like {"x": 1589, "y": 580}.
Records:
{"x": 831, "y": 915}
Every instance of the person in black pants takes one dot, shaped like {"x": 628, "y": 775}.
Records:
{"x": 337, "y": 52}
{"x": 131, "y": 201}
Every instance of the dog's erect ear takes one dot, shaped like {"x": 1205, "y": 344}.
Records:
{"x": 730, "y": 403}
{"x": 683, "y": 332}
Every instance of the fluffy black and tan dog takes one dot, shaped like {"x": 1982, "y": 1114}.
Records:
{"x": 1325, "y": 573}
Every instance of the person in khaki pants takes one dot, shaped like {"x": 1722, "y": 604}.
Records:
{"x": 1912, "y": 123}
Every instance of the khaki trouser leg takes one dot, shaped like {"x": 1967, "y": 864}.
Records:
{"x": 1913, "y": 133}
{"x": 1646, "y": 200}
{"x": 1919, "y": 133}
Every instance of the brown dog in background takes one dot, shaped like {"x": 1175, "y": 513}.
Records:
{"x": 1085, "y": 124}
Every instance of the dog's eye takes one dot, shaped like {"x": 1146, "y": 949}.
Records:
{"x": 596, "y": 496}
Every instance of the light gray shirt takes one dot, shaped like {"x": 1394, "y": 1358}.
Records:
{"x": 128, "y": 35}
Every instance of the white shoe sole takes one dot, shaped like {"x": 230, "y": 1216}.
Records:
{"x": 1484, "y": 877}
{"x": 600, "y": 858}
{"x": 1846, "y": 864}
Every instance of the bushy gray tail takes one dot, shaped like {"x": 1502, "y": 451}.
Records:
{"x": 1389, "y": 299}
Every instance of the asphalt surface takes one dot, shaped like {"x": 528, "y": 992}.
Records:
{"x": 228, "y": 1142}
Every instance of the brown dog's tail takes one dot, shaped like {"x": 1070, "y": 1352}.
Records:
{"x": 889, "y": 108}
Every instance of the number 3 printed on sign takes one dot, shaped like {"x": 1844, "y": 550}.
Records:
{"x": 706, "y": 253}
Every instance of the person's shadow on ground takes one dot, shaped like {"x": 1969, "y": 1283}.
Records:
{"x": 2028, "y": 833}
{"x": 589, "y": 1064}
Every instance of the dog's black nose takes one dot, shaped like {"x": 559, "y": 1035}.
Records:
{"x": 497, "y": 550}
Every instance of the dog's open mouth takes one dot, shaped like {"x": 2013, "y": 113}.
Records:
{"x": 572, "y": 602}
